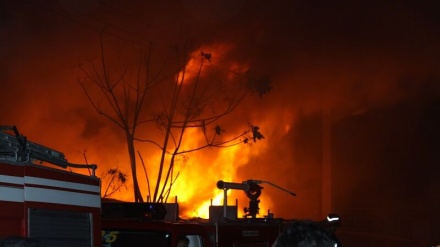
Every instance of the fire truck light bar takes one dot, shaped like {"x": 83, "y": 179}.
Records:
{"x": 19, "y": 148}
{"x": 19, "y": 142}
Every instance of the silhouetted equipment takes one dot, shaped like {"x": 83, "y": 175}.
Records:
{"x": 128, "y": 223}
{"x": 252, "y": 190}
{"x": 17, "y": 148}
{"x": 253, "y": 193}
{"x": 217, "y": 213}
{"x": 236, "y": 186}
{"x": 137, "y": 210}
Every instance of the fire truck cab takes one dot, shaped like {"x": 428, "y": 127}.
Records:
{"x": 39, "y": 200}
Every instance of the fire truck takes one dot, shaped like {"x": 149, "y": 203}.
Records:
{"x": 40, "y": 198}
{"x": 159, "y": 224}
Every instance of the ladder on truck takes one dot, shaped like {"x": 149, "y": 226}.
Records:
{"x": 16, "y": 148}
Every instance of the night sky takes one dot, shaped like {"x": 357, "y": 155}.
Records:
{"x": 371, "y": 68}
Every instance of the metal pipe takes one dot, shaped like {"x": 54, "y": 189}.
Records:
{"x": 236, "y": 186}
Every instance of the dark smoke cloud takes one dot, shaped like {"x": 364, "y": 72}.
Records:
{"x": 363, "y": 61}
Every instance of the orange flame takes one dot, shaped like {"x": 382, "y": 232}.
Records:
{"x": 195, "y": 188}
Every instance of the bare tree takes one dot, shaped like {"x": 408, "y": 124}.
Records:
{"x": 198, "y": 105}
{"x": 113, "y": 181}
{"x": 192, "y": 100}
{"x": 124, "y": 100}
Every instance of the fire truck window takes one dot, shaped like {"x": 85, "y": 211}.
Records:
{"x": 116, "y": 238}
{"x": 194, "y": 240}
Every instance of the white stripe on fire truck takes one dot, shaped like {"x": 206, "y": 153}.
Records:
{"x": 36, "y": 194}
{"x": 61, "y": 184}
{"x": 11, "y": 179}
{"x": 49, "y": 182}
{"x": 90, "y": 198}
{"x": 11, "y": 194}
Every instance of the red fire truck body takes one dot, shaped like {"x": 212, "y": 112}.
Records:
{"x": 53, "y": 206}
{"x": 139, "y": 226}
{"x": 244, "y": 233}
{"x": 137, "y": 233}
{"x": 142, "y": 232}
{"x": 156, "y": 224}
{"x": 60, "y": 208}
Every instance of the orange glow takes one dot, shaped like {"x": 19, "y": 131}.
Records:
{"x": 195, "y": 187}
{"x": 271, "y": 159}
{"x": 369, "y": 75}
{"x": 214, "y": 57}
{"x": 202, "y": 184}
{"x": 191, "y": 69}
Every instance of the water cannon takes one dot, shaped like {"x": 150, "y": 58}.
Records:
{"x": 252, "y": 189}
{"x": 236, "y": 186}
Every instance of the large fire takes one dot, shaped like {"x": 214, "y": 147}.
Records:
{"x": 372, "y": 70}
{"x": 197, "y": 172}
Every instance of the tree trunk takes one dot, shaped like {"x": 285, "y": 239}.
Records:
{"x": 131, "y": 152}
